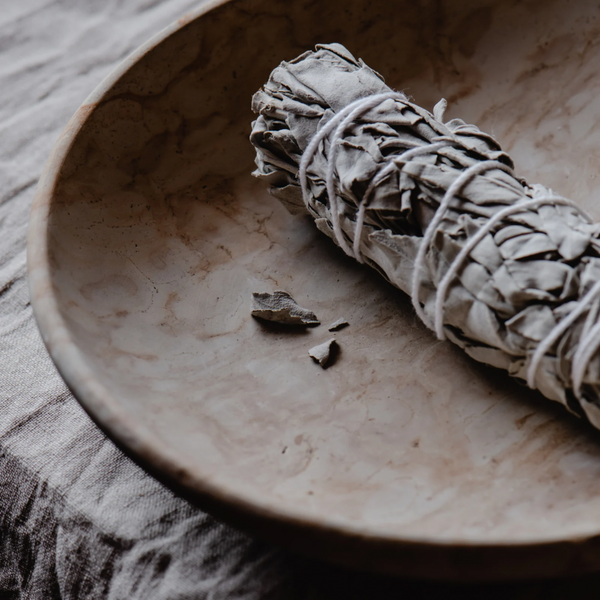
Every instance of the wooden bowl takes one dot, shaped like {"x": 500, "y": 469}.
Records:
{"x": 148, "y": 235}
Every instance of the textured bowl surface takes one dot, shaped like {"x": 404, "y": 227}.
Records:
{"x": 148, "y": 235}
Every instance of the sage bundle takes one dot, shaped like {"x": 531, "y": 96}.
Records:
{"x": 508, "y": 271}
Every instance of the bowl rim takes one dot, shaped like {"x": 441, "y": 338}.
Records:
{"x": 136, "y": 440}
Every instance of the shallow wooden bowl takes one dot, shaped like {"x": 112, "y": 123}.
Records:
{"x": 148, "y": 235}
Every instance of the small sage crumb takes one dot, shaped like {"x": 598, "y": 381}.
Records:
{"x": 280, "y": 307}
{"x": 322, "y": 352}
{"x": 337, "y": 325}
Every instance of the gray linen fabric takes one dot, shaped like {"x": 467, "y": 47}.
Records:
{"x": 77, "y": 518}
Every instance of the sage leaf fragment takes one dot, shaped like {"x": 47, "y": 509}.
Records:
{"x": 322, "y": 352}
{"x": 337, "y": 325}
{"x": 280, "y": 307}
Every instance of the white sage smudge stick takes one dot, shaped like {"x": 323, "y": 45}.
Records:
{"x": 508, "y": 271}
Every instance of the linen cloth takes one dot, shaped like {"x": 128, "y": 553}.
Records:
{"x": 78, "y": 519}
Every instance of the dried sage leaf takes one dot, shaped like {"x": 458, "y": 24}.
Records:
{"x": 337, "y": 325}
{"x": 280, "y": 307}
{"x": 322, "y": 352}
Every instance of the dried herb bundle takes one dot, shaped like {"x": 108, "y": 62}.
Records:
{"x": 507, "y": 271}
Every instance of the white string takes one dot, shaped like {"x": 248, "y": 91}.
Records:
{"x": 457, "y": 185}
{"x": 580, "y": 363}
{"x": 313, "y": 145}
{"x": 590, "y": 337}
{"x": 361, "y": 108}
{"x": 590, "y": 320}
{"x": 588, "y": 344}
{"x": 309, "y": 153}
{"x": 583, "y": 356}
{"x": 442, "y": 289}
{"x": 341, "y": 120}
{"x": 556, "y": 332}
{"x": 389, "y": 168}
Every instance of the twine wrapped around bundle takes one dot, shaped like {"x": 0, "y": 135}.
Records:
{"x": 509, "y": 272}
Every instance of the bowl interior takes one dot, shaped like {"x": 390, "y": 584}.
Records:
{"x": 158, "y": 234}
